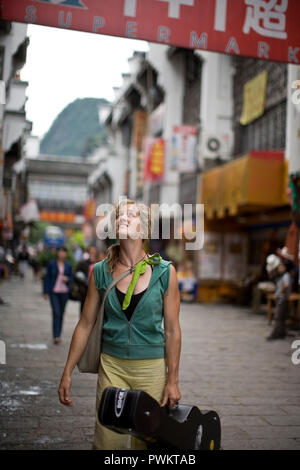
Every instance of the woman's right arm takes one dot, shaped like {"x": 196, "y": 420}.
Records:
{"x": 79, "y": 339}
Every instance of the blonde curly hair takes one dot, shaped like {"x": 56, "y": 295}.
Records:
{"x": 113, "y": 252}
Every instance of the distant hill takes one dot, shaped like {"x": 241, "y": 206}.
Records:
{"x": 76, "y": 131}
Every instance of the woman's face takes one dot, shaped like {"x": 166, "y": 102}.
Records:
{"x": 93, "y": 254}
{"x": 61, "y": 255}
{"x": 128, "y": 223}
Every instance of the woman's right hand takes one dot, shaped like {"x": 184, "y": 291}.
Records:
{"x": 64, "y": 390}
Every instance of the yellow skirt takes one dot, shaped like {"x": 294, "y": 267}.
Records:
{"x": 149, "y": 375}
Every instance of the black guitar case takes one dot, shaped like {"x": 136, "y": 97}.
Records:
{"x": 183, "y": 427}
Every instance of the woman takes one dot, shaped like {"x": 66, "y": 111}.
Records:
{"x": 136, "y": 352}
{"x": 56, "y": 286}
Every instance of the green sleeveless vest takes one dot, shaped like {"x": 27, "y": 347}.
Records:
{"x": 143, "y": 336}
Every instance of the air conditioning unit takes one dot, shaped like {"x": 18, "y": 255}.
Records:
{"x": 216, "y": 145}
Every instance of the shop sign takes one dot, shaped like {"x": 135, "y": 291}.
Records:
{"x": 184, "y": 144}
{"x": 256, "y": 28}
{"x": 254, "y": 98}
{"x": 154, "y": 159}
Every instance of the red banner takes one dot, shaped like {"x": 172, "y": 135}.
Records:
{"x": 256, "y": 28}
{"x": 154, "y": 159}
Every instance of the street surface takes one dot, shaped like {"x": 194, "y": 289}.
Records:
{"x": 226, "y": 365}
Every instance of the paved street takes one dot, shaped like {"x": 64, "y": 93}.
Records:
{"x": 226, "y": 365}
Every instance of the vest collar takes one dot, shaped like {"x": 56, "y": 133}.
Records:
{"x": 158, "y": 270}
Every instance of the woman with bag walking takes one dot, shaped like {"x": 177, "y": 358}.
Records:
{"x": 56, "y": 287}
{"x": 136, "y": 352}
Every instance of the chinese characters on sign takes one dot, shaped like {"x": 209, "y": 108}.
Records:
{"x": 266, "y": 29}
{"x": 173, "y": 11}
{"x": 266, "y": 18}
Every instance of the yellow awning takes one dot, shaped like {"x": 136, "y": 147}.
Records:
{"x": 256, "y": 180}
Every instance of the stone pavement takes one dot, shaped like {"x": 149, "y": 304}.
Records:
{"x": 226, "y": 365}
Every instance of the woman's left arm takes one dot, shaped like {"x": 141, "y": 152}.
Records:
{"x": 172, "y": 339}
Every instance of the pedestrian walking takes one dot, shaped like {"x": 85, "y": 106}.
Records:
{"x": 137, "y": 353}
{"x": 23, "y": 259}
{"x": 56, "y": 288}
{"x": 282, "y": 294}
{"x": 85, "y": 266}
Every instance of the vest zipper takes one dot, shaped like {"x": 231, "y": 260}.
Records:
{"x": 128, "y": 324}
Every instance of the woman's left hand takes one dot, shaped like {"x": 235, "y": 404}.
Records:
{"x": 171, "y": 393}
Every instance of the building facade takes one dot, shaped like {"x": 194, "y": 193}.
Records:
{"x": 235, "y": 114}
{"x": 13, "y": 124}
{"x": 59, "y": 187}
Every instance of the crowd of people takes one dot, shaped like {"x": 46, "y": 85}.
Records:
{"x": 17, "y": 261}
{"x": 61, "y": 272}
{"x": 65, "y": 273}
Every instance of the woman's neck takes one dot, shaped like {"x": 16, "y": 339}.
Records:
{"x": 131, "y": 252}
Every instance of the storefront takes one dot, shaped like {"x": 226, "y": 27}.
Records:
{"x": 247, "y": 216}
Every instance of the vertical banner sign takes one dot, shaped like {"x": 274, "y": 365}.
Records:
{"x": 139, "y": 128}
{"x": 254, "y": 98}
{"x": 255, "y": 28}
{"x": 89, "y": 210}
{"x": 154, "y": 159}
{"x": 184, "y": 144}
{"x": 140, "y": 119}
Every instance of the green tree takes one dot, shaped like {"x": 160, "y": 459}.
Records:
{"x": 77, "y": 239}
{"x": 37, "y": 231}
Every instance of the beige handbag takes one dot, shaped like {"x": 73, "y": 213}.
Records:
{"x": 89, "y": 361}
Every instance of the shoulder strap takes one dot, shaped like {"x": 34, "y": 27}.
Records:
{"x": 115, "y": 281}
